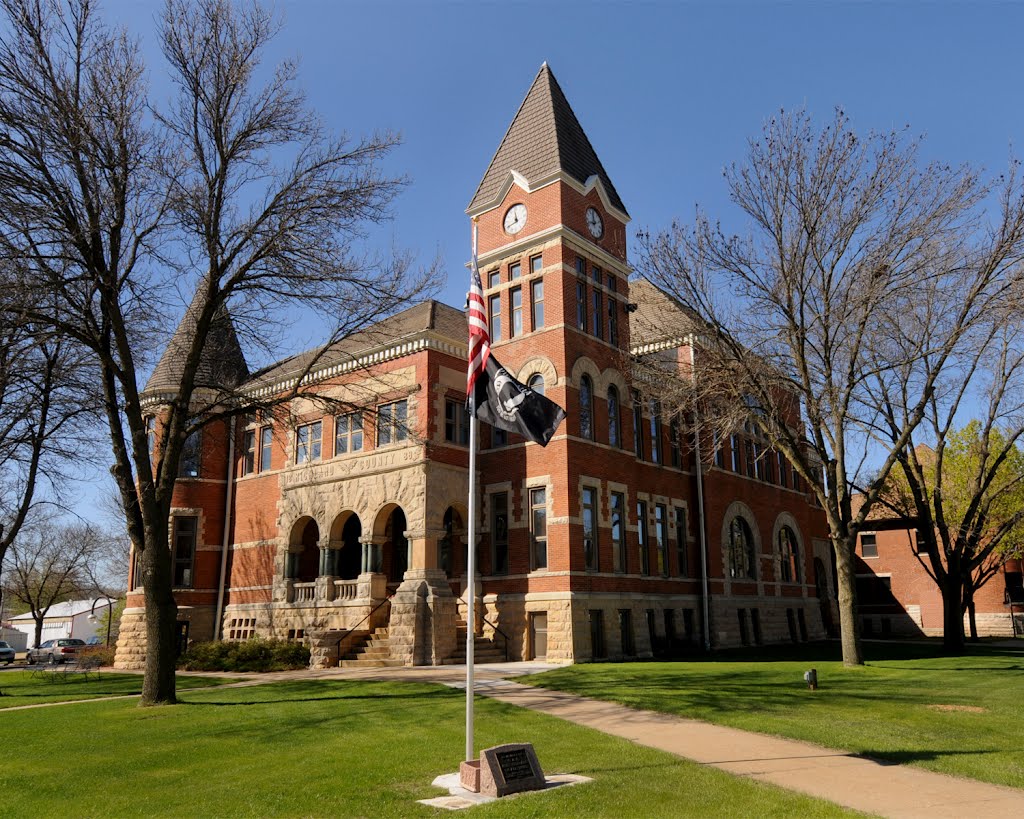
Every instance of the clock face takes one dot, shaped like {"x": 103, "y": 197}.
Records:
{"x": 594, "y": 223}
{"x": 515, "y": 218}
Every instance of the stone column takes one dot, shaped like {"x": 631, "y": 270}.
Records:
{"x": 324, "y": 581}
{"x": 373, "y": 554}
{"x": 423, "y": 610}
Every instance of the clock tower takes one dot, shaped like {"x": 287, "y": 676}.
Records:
{"x": 552, "y": 259}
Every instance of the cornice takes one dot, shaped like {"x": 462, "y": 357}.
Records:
{"x": 580, "y": 242}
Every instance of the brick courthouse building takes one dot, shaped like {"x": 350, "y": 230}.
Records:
{"x": 351, "y": 528}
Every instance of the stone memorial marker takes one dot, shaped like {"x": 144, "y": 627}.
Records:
{"x": 511, "y": 768}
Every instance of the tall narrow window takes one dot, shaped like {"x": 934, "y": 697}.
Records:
{"x": 392, "y": 422}
{"x": 661, "y": 538}
{"x": 348, "y": 433}
{"x": 537, "y": 303}
{"x": 538, "y": 528}
{"x": 514, "y": 271}
{"x": 682, "y": 552}
{"x": 494, "y": 278}
{"x": 656, "y": 432}
{"x": 581, "y": 306}
{"x": 741, "y": 550}
{"x": 614, "y": 427}
{"x": 675, "y": 455}
{"x": 456, "y": 422}
{"x": 499, "y": 532}
{"x": 151, "y": 434}
{"x": 617, "y": 504}
{"x": 734, "y": 449}
{"x": 783, "y": 471}
{"x": 581, "y": 266}
{"x": 719, "y": 451}
{"x": 598, "y": 315}
{"x": 596, "y": 273}
{"x": 769, "y": 465}
{"x": 789, "y": 557}
{"x": 516, "y": 297}
{"x": 266, "y": 442}
{"x": 626, "y": 632}
{"x": 613, "y": 319}
{"x": 536, "y": 263}
{"x": 868, "y": 545}
{"x": 590, "y": 543}
{"x": 184, "y": 548}
{"x": 188, "y": 466}
{"x": 641, "y": 528}
{"x": 586, "y": 408}
{"x": 307, "y": 443}
{"x": 638, "y": 425}
{"x": 248, "y": 452}
{"x": 494, "y": 317}
{"x": 748, "y": 456}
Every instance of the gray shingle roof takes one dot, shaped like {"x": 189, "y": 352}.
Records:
{"x": 222, "y": 363}
{"x": 544, "y": 137}
{"x": 444, "y": 319}
{"x": 658, "y": 317}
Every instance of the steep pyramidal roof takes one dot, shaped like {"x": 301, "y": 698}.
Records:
{"x": 544, "y": 137}
{"x": 222, "y": 364}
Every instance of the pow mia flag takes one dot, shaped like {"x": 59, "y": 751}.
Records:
{"x": 505, "y": 403}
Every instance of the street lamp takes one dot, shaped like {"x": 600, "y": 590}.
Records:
{"x": 110, "y": 614}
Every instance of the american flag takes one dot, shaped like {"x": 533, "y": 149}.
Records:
{"x": 479, "y": 333}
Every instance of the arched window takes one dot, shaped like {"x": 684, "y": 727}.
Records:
{"x": 536, "y": 383}
{"x": 741, "y": 550}
{"x": 586, "y": 408}
{"x": 789, "y": 555}
{"x": 614, "y": 430}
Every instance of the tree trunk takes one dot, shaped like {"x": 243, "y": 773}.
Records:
{"x": 849, "y": 626}
{"x": 39, "y": 630}
{"x": 158, "y": 686}
{"x": 969, "y": 593}
{"x": 952, "y": 614}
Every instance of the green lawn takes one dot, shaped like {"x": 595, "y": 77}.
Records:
{"x": 337, "y": 748}
{"x": 958, "y": 715}
{"x": 22, "y": 688}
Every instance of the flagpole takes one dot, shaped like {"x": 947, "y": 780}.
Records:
{"x": 471, "y": 558}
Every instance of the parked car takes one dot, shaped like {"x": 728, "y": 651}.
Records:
{"x": 55, "y": 651}
{"x": 6, "y": 653}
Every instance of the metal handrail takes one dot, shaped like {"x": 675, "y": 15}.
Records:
{"x": 499, "y": 631}
{"x": 369, "y": 614}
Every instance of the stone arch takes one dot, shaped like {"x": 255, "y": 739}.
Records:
{"x": 583, "y": 366}
{"x": 303, "y": 563}
{"x": 786, "y": 520}
{"x": 613, "y": 378}
{"x": 538, "y": 364}
{"x": 738, "y": 509}
{"x": 389, "y": 528}
{"x": 346, "y": 552}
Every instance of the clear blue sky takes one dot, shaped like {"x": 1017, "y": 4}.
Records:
{"x": 668, "y": 92}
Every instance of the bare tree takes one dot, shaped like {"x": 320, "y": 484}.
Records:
{"x": 44, "y": 409}
{"x": 51, "y": 563}
{"x": 965, "y": 486}
{"x": 235, "y": 186}
{"x": 864, "y": 269}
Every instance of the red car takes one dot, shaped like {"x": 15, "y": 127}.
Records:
{"x": 55, "y": 651}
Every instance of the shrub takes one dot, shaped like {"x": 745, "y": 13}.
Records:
{"x": 99, "y": 655}
{"x": 255, "y": 654}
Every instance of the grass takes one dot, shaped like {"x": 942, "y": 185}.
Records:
{"x": 338, "y": 748}
{"x": 957, "y": 715}
{"x": 22, "y": 688}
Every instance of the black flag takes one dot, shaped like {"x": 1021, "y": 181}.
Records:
{"x": 506, "y": 404}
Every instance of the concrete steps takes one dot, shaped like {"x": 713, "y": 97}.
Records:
{"x": 484, "y": 650}
{"x": 371, "y": 651}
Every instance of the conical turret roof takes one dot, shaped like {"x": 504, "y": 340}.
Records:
{"x": 545, "y": 137}
{"x": 222, "y": 364}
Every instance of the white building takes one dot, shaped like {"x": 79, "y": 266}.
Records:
{"x": 70, "y": 619}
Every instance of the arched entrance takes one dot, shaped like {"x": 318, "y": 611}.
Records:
{"x": 451, "y": 547}
{"x": 303, "y": 564}
{"x": 395, "y": 552}
{"x": 345, "y": 557}
{"x": 350, "y": 557}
